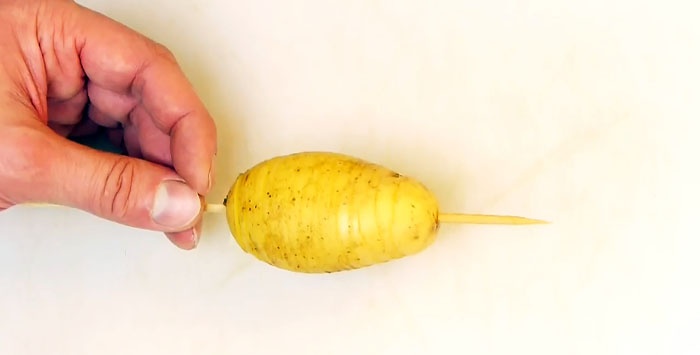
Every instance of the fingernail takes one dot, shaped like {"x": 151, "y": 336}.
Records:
{"x": 176, "y": 205}
{"x": 212, "y": 173}
{"x": 196, "y": 232}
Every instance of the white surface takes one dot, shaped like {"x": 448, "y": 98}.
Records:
{"x": 580, "y": 112}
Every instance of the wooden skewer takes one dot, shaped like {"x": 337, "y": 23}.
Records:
{"x": 443, "y": 217}
{"x": 486, "y": 219}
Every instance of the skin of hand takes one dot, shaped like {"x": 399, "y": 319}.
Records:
{"x": 66, "y": 70}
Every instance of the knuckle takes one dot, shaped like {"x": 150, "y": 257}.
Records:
{"x": 69, "y": 110}
{"x": 116, "y": 196}
{"x": 163, "y": 52}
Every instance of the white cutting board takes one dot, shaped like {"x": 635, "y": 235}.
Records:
{"x": 582, "y": 113}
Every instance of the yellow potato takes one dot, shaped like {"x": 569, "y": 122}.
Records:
{"x": 319, "y": 212}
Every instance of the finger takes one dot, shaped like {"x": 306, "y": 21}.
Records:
{"x": 188, "y": 239}
{"x": 61, "y": 129}
{"x": 122, "y": 61}
{"x": 43, "y": 167}
{"x": 67, "y": 111}
{"x": 131, "y": 141}
{"x": 108, "y": 108}
{"x": 155, "y": 145}
{"x": 64, "y": 73}
{"x": 183, "y": 240}
{"x": 180, "y": 114}
{"x": 101, "y": 118}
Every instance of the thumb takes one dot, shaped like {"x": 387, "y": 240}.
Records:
{"x": 122, "y": 189}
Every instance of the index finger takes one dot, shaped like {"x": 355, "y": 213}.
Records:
{"x": 125, "y": 62}
{"x": 176, "y": 110}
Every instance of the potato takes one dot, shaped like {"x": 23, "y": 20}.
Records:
{"x": 317, "y": 212}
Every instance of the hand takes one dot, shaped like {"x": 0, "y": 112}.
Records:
{"x": 66, "y": 70}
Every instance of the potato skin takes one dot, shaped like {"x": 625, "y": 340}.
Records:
{"x": 317, "y": 212}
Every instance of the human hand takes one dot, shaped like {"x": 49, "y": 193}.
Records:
{"x": 66, "y": 70}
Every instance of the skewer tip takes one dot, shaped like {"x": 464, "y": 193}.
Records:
{"x": 488, "y": 219}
